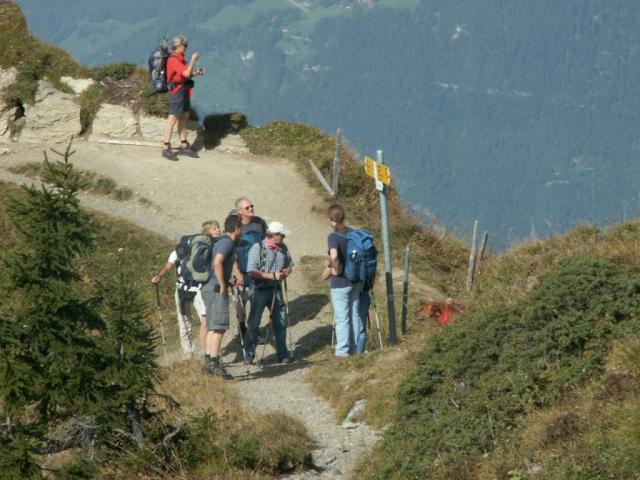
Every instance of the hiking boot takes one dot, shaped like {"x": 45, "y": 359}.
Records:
{"x": 284, "y": 360}
{"x": 187, "y": 149}
{"x": 169, "y": 155}
{"x": 248, "y": 360}
{"x": 222, "y": 373}
{"x": 187, "y": 152}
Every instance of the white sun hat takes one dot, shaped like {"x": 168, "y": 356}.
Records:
{"x": 277, "y": 227}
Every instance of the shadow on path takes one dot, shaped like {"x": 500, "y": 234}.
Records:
{"x": 306, "y": 307}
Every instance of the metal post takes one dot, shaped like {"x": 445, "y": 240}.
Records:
{"x": 472, "y": 257}
{"x": 336, "y": 163}
{"x": 391, "y": 309}
{"x": 405, "y": 290}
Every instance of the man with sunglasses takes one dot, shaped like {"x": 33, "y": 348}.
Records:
{"x": 269, "y": 263}
{"x": 254, "y": 230}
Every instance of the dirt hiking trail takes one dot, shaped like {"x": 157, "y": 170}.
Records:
{"x": 181, "y": 195}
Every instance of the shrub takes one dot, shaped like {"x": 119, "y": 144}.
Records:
{"x": 90, "y": 101}
{"x": 154, "y": 103}
{"x": 114, "y": 71}
{"x": 475, "y": 382}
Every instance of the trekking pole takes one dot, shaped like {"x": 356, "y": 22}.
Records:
{"x": 164, "y": 343}
{"x": 266, "y": 340}
{"x": 286, "y": 319}
{"x": 242, "y": 325}
{"x": 235, "y": 294}
{"x": 375, "y": 311}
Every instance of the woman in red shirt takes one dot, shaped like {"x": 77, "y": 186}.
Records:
{"x": 180, "y": 83}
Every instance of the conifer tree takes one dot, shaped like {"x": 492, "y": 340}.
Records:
{"x": 48, "y": 354}
{"x": 75, "y": 368}
{"x": 128, "y": 350}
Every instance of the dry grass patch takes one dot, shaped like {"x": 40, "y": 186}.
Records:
{"x": 96, "y": 184}
{"x": 241, "y": 441}
{"x": 374, "y": 376}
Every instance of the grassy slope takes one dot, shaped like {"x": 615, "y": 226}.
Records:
{"x": 243, "y": 444}
{"x": 33, "y": 59}
{"x": 539, "y": 379}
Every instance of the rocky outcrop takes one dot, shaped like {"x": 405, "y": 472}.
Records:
{"x": 114, "y": 121}
{"x": 7, "y": 77}
{"x": 53, "y": 118}
{"x": 78, "y": 85}
{"x": 8, "y": 126}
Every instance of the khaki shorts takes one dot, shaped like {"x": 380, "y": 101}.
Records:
{"x": 217, "y": 308}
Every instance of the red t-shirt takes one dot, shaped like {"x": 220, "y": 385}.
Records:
{"x": 176, "y": 65}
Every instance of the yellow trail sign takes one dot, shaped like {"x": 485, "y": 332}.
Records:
{"x": 377, "y": 170}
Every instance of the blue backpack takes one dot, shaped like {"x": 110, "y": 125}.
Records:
{"x": 247, "y": 240}
{"x": 361, "y": 260}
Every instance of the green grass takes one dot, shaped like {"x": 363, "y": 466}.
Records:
{"x": 35, "y": 60}
{"x": 476, "y": 383}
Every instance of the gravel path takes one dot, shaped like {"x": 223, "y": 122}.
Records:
{"x": 184, "y": 194}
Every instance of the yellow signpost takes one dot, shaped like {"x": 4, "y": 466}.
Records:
{"x": 377, "y": 170}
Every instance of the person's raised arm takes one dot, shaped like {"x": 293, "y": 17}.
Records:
{"x": 188, "y": 72}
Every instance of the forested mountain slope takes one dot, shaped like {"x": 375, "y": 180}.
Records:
{"x": 520, "y": 114}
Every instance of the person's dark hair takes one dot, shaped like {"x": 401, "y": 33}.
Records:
{"x": 231, "y": 223}
{"x": 336, "y": 213}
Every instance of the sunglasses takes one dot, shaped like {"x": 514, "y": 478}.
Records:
{"x": 249, "y": 207}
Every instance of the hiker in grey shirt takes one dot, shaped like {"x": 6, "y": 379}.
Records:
{"x": 269, "y": 263}
{"x": 215, "y": 294}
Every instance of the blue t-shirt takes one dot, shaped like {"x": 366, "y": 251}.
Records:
{"x": 225, "y": 246}
{"x": 337, "y": 241}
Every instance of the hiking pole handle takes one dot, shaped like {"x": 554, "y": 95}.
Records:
{"x": 157, "y": 296}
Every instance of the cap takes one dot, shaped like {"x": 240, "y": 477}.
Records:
{"x": 277, "y": 227}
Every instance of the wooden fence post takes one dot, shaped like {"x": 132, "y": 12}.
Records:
{"x": 472, "y": 257}
{"x": 405, "y": 290}
{"x": 320, "y": 177}
{"x": 336, "y": 163}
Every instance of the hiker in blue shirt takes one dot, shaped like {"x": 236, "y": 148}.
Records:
{"x": 345, "y": 294}
{"x": 215, "y": 294}
{"x": 254, "y": 230}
